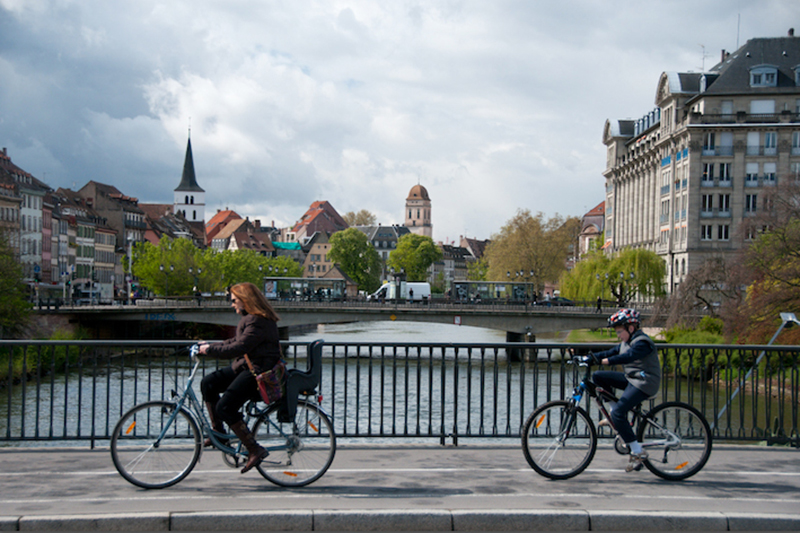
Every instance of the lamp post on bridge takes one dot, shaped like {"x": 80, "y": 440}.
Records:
{"x": 602, "y": 281}
{"x": 622, "y": 300}
{"x": 196, "y": 288}
{"x": 166, "y": 273}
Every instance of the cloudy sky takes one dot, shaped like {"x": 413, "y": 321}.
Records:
{"x": 492, "y": 105}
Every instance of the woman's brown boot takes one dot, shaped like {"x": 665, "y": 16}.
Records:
{"x": 216, "y": 425}
{"x": 255, "y": 453}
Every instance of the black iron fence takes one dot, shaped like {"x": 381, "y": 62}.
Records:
{"x": 76, "y": 391}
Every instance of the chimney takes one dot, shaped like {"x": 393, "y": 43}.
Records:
{"x": 723, "y": 55}
{"x": 4, "y": 151}
{"x": 791, "y": 32}
{"x": 258, "y": 224}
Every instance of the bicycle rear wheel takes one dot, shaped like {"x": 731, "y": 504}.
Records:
{"x": 145, "y": 457}
{"x": 559, "y": 440}
{"x": 299, "y": 452}
{"x": 677, "y": 439}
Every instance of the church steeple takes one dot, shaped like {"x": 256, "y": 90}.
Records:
{"x": 188, "y": 180}
{"x": 189, "y": 196}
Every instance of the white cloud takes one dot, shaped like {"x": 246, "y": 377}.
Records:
{"x": 492, "y": 106}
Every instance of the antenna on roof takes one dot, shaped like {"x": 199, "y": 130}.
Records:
{"x": 703, "y": 68}
{"x": 738, "y": 24}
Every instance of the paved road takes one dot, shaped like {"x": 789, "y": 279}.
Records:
{"x": 427, "y": 482}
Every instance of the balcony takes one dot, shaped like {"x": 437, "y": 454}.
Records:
{"x": 135, "y": 224}
{"x": 743, "y": 118}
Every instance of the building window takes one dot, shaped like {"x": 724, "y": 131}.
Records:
{"x": 725, "y": 174}
{"x": 770, "y": 172}
{"x": 763, "y": 76}
{"x": 770, "y": 143}
{"x": 708, "y": 144}
{"x": 708, "y": 174}
{"x": 750, "y": 201}
{"x": 724, "y": 203}
{"x": 751, "y": 175}
{"x": 753, "y": 143}
{"x": 796, "y": 143}
{"x": 723, "y": 232}
{"x": 705, "y": 232}
{"x": 708, "y": 203}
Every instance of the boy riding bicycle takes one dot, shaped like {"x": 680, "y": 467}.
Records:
{"x": 640, "y": 380}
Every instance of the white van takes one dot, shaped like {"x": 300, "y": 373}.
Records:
{"x": 414, "y": 290}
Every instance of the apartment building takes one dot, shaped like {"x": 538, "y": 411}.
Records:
{"x": 684, "y": 179}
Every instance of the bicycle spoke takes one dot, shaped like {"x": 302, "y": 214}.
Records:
{"x": 683, "y": 435}
{"x": 151, "y": 448}
{"x": 300, "y": 452}
{"x": 559, "y": 440}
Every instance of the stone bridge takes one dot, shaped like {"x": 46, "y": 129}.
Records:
{"x": 519, "y": 321}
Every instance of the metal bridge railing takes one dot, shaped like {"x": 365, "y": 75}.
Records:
{"x": 76, "y": 390}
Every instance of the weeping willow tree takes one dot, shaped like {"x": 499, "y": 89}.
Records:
{"x": 631, "y": 274}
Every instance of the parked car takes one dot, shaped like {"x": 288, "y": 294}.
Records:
{"x": 559, "y": 301}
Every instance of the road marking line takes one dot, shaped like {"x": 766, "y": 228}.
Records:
{"x": 401, "y": 470}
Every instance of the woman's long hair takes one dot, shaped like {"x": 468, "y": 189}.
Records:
{"x": 254, "y": 301}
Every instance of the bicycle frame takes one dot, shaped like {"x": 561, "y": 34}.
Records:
{"x": 600, "y": 396}
{"x": 196, "y": 411}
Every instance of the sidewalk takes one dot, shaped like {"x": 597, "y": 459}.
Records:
{"x": 411, "y": 488}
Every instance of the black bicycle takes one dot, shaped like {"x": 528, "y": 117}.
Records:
{"x": 157, "y": 444}
{"x": 559, "y": 439}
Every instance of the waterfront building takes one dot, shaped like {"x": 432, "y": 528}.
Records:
{"x": 218, "y": 222}
{"x": 685, "y": 179}
{"x": 592, "y": 226}
{"x": 121, "y": 212}
{"x": 384, "y": 240}
{"x": 316, "y": 263}
{"x": 418, "y": 211}
{"x": 320, "y": 217}
{"x": 31, "y": 192}
{"x": 10, "y": 202}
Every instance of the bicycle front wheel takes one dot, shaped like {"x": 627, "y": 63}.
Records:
{"x": 300, "y": 452}
{"x": 155, "y": 445}
{"x": 677, "y": 439}
{"x": 559, "y": 440}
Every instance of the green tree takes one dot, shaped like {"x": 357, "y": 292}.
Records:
{"x": 14, "y": 307}
{"x": 536, "y": 247}
{"x": 166, "y": 267}
{"x": 477, "y": 270}
{"x": 357, "y": 258}
{"x": 362, "y": 218}
{"x": 773, "y": 259}
{"x": 414, "y": 254}
{"x": 610, "y": 277}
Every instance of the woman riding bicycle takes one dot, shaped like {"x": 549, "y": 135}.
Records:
{"x": 256, "y": 336}
{"x": 641, "y": 379}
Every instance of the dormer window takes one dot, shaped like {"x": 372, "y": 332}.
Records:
{"x": 764, "y": 76}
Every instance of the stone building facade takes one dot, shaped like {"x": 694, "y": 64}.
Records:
{"x": 685, "y": 179}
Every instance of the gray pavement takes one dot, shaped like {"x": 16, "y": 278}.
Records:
{"x": 405, "y": 487}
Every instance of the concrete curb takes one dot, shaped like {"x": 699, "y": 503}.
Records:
{"x": 657, "y": 521}
{"x": 243, "y": 521}
{"x": 100, "y": 522}
{"x": 408, "y": 520}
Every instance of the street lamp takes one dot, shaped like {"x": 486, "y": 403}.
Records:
{"x": 166, "y": 273}
{"x": 602, "y": 284}
{"x": 622, "y": 299}
{"x": 196, "y": 288}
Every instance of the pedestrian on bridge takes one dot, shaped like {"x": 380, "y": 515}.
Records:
{"x": 256, "y": 336}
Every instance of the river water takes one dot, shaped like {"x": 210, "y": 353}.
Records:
{"x": 383, "y": 380}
